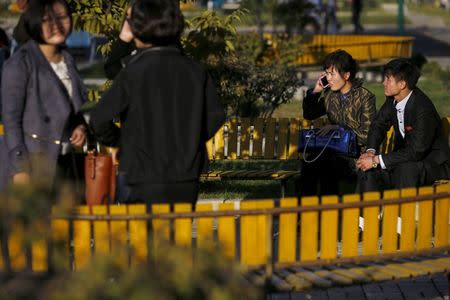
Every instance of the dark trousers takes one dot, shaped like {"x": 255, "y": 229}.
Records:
{"x": 405, "y": 175}
{"x": 70, "y": 170}
{"x": 323, "y": 176}
{"x": 356, "y": 16}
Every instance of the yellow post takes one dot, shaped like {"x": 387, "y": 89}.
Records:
{"x": 309, "y": 227}
{"x": 288, "y": 232}
{"x": 441, "y": 217}
{"x": 350, "y": 227}
{"x": 204, "y": 227}
{"x": 294, "y": 128}
{"x": 329, "y": 230}
{"x": 39, "y": 248}
{"x": 254, "y": 233}
{"x": 138, "y": 235}
{"x": 370, "y": 233}
{"x": 407, "y": 213}
{"x": 245, "y": 138}
{"x": 425, "y": 220}
{"x": 390, "y": 219}
{"x": 183, "y": 226}
{"x": 60, "y": 240}
{"x": 119, "y": 235}
{"x": 227, "y": 231}
{"x": 161, "y": 228}
{"x": 232, "y": 138}
{"x": 82, "y": 239}
{"x": 282, "y": 147}
{"x": 101, "y": 231}
{"x": 269, "y": 149}
{"x": 258, "y": 126}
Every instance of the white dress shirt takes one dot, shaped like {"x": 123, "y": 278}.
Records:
{"x": 62, "y": 72}
{"x": 400, "y": 107}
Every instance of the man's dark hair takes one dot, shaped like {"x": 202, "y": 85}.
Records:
{"x": 402, "y": 69}
{"x": 33, "y": 17}
{"x": 343, "y": 62}
{"x": 158, "y": 22}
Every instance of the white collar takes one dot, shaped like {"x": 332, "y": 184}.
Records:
{"x": 402, "y": 104}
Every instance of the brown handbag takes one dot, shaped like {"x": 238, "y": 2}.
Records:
{"x": 100, "y": 178}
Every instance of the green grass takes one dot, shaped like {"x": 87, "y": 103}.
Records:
{"x": 431, "y": 10}
{"x": 242, "y": 189}
{"x": 94, "y": 71}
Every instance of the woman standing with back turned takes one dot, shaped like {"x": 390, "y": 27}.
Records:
{"x": 168, "y": 109}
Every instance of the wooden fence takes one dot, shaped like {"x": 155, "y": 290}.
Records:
{"x": 275, "y": 232}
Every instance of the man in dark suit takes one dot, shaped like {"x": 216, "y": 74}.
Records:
{"x": 421, "y": 153}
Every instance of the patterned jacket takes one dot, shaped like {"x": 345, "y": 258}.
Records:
{"x": 356, "y": 112}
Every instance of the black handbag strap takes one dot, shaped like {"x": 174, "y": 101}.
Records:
{"x": 309, "y": 135}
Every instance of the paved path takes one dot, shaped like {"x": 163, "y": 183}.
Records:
{"x": 435, "y": 287}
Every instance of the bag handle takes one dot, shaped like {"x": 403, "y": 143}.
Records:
{"x": 309, "y": 135}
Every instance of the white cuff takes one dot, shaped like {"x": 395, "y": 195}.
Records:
{"x": 383, "y": 166}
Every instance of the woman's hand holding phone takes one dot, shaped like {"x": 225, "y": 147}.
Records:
{"x": 321, "y": 84}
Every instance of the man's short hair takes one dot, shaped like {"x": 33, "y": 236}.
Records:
{"x": 402, "y": 69}
{"x": 343, "y": 62}
{"x": 158, "y": 22}
{"x": 34, "y": 15}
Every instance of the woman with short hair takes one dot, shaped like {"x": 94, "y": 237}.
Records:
{"x": 168, "y": 109}
{"x": 340, "y": 96}
{"x": 42, "y": 94}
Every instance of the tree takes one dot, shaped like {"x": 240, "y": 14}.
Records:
{"x": 247, "y": 89}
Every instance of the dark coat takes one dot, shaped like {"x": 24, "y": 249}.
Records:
{"x": 423, "y": 139}
{"x": 168, "y": 109}
{"x": 35, "y": 102}
{"x": 356, "y": 113}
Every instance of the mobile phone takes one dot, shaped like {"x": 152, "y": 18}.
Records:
{"x": 324, "y": 81}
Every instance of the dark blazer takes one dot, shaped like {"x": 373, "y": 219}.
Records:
{"x": 35, "y": 102}
{"x": 423, "y": 139}
{"x": 168, "y": 109}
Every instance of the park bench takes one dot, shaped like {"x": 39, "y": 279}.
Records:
{"x": 367, "y": 50}
{"x": 248, "y": 149}
{"x": 291, "y": 244}
{"x": 272, "y": 142}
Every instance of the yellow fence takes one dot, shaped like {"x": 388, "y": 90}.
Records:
{"x": 307, "y": 233}
{"x": 364, "y": 48}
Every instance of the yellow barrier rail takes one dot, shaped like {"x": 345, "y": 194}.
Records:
{"x": 308, "y": 233}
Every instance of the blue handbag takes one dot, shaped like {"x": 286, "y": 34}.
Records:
{"x": 340, "y": 141}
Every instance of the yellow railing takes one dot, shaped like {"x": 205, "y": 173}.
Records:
{"x": 316, "y": 229}
{"x": 363, "y": 48}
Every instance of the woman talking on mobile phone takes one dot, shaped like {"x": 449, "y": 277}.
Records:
{"x": 346, "y": 103}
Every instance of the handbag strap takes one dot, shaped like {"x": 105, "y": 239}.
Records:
{"x": 309, "y": 135}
